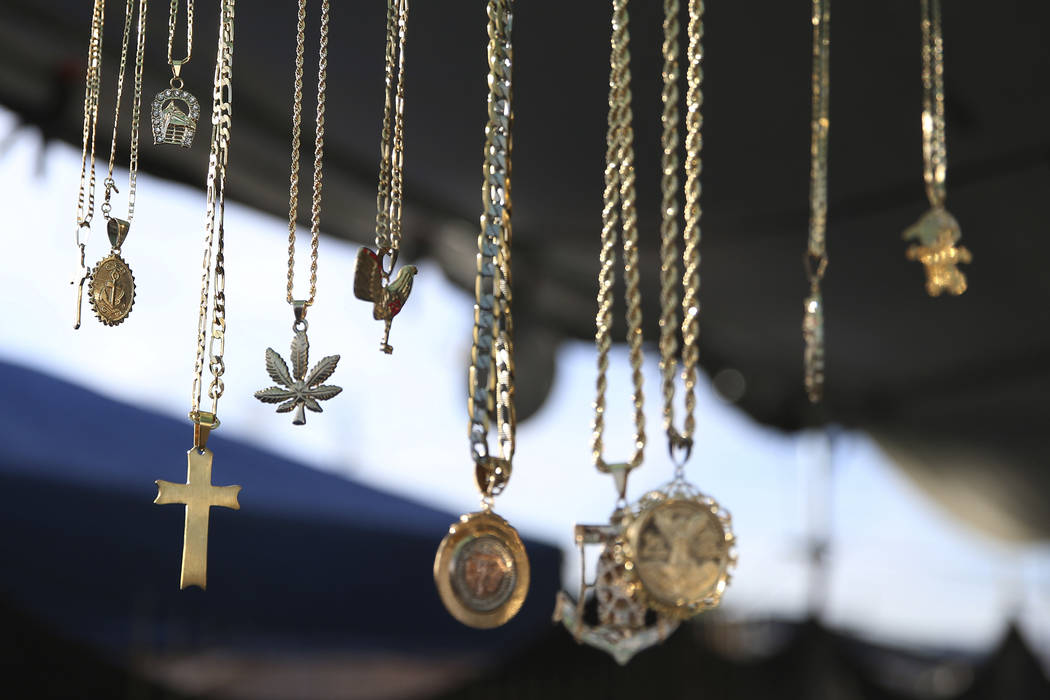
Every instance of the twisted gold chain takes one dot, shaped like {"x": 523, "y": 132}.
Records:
{"x": 297, "y": 113}
{"x": 491, "y": 376}
{"x": 173, "y": 16}
{"x": 136, "y": 106}
{"x": 222, "y": 121}
{"x": 391, "y": 160}
{"x": 934, "y": 143}
{"x": 619, "y": 212}
{"x": 690, "y": 327}
{"x": 816, "y": 259}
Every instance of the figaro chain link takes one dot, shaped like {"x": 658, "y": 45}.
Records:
{"x": 391, "y": 162}
{"x": 222, "y": 119}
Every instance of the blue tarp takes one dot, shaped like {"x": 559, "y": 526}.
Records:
{"x": 310, "y": 561}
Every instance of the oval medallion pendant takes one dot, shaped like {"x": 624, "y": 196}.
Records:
{"x": 680, "y": 547}
{"x": 112, "y": 290}
{"x": 481, "y": 570}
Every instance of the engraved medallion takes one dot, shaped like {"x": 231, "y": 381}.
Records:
{"x": 680, "y": 548}
{"x": 112, "y": 290}
{"x": 481, "y": 570}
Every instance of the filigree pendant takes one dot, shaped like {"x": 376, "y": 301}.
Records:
{"x": 111, "y": 290}
{"x": 174, "y": 124}
{"x": 481, "y": 570}
{"x": 937, "y": 233}
{"x": 679, "y": 546}
{"x": 299, "y": 389}
{"x": 625, "y": 624}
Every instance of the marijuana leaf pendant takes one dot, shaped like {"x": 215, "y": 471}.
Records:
{"x": 300, "y": 390}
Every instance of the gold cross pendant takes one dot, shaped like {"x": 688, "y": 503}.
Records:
{"x": 199, "y": 496}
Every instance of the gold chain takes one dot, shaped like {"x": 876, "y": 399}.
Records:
{"x": 491, "y": 376}
{"x": 391, "y": 155}
{"x": 222, "y": 120}
{"x": 681, "y": 439}
{"x": 92, "y": 80}
{"x": 934, "y": 145}
{"x": 173, "y": 15}
{"x": 297, "y": 113}
{"x": 619, "y": 193}
{"x": 136, "y": 105}
{"x": 816, "y": 258}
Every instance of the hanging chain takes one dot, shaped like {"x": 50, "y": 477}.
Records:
{"x": 492, "y": 354}
{"x": 816, "y": 258}
{"x": 391, "y": 160}
{"x": 136, "y": 105}
{"x": 222, "y": 119}
{"x": 92, "y": 84}
{"x": 297, "y": 114}
{"x": 680, "y": 442}
{"x": 619, "y": 193}
{"x": 934, "y": 144}
{"x": 173, "y": 15}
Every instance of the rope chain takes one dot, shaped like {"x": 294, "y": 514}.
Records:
{"x": 690, "y": 326}
{"x": 297, "y": 113}
{"x": 934, "y": 143}
{"x": 619, "y": 193}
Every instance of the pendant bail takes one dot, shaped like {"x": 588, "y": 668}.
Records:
{"x": 203, "y": 423}
{"x": 117, "y": 229}
{"x": 299, "y": 307}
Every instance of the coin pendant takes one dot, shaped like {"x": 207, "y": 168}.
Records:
{"x": 112, "y": 290}
{"x": 481, "y": 570}
{"x": 681, "y": 552}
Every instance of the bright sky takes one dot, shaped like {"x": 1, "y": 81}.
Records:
{"x": 900, "y": 569}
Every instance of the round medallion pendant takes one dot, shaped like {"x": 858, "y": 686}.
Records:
{"x": 481, "y": 570}
{"x": 680, "y": 548}
{"x": 112, "y": 290}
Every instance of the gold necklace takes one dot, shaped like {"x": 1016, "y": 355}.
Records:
{"x": 816, "y": 258}
{"x": 172, "y": 123}
{"x": 678, "y": 544}
{"x": 86, "y": 187}
{"x": 622, "y": 629}
{"x": 197, "y": 493}
{"x": 937, "y": 232}
{"x": 111, "y": 290}
{"x": 481, "y": 568}
{"x": 372, "y": 272}
{"x": 300, "y": 389}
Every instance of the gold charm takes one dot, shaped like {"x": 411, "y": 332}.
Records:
{"x": 199, "y": 496}
{"x": 679, "y": 546}
{"x": 936, "y": 234}
{"x": 481, "y": 570}
{"x": 112, "y": 287}
{"x": 173, "y": 124}
{"x": 301, "y": 389}
{"x": 625, "y": 626}
{"x": 371, "y": 283}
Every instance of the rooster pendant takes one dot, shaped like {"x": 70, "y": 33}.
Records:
{"x": 371, "y": 283}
